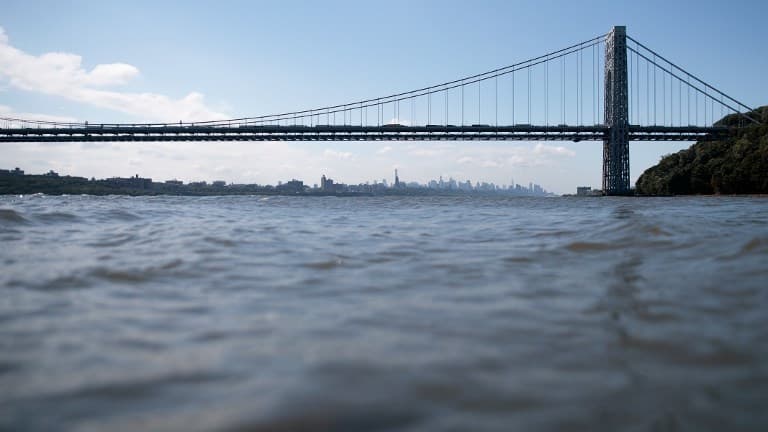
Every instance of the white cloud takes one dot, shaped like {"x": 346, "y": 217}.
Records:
{"x": 494, "y": 156}
{"x": 333, "y": 154}
{"x": 399, "y": 121}
{"x": 62, "y": 74}
{"x": 543, "y": 149}
{"x": 384, "y": 150}
{"x": 112, "y": 74}
{"x": 426, "y": 152}
{"x": 7, "y": 112}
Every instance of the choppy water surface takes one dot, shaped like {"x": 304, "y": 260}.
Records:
{"x": 347, "y": 314}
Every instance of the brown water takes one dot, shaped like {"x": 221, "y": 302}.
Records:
{"x": 364, "y": 314}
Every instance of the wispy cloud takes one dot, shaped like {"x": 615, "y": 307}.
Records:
{"x": 543, "y": 149}
{"x": 494, "y": 156}
{"x": 6, "y": 111}
{"x": 333, "y": 154}
{"x": 384, "y": 150}
{"x": 62, "y": 74}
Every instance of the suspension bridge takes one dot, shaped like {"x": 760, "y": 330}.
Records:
{"x": 610, "y": 88}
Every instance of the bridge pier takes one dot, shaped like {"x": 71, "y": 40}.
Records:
{"x": 616, "y": 147}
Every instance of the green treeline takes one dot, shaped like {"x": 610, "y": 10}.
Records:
{"x": 737, "y": 164}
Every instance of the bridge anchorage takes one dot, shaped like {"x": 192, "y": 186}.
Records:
{"x": 635, "y": 94}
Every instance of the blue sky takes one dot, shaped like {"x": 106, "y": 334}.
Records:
{"x": 237, "y": 58}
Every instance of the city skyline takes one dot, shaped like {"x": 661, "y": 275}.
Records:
{"x": 396, "y": 182}
{"x": 170, "y": 71}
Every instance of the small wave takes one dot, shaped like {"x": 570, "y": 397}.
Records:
{"x": 518, "y": 259}
{"x": 6, "y": 368}
{"x": 755, "y": 245}
{"x": 9, "y": 215}
{"x": 121, "y": 215}
{"x": 325, "y": 265}
{"x": 590, "y": 246}
{"x": 220, "y": 241}
{"x": 141, "y": 387}
{"x": 113, "y": 240}
{"x": 135, "y": 275}
{"x": 55, "y": 217}
{"x": 681, "y": 354}
{"x": 58, "y": 283}
{"x": 657, "y": 231}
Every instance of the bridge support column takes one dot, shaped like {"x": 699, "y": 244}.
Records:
{"x": 616, "y": 147}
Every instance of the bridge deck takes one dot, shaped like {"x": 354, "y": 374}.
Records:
{"x": 127, "y": 132}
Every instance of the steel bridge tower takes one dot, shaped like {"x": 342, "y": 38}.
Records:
{"x": 616, "y": 147}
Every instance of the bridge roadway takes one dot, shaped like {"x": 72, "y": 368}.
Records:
{"x": 234, "y": 132}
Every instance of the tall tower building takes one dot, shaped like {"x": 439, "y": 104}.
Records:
{"x": 397, "y": 179}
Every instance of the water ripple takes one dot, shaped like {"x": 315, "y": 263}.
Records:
{"x": 383, "y": 313}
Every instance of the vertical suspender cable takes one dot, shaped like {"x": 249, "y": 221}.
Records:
{"x": 529, "y": 94}
{"x": 637, "y": 88}
{"x": 581, "y": 87}
{"x": 654, "y": 90}
{"x": 546, "y": 92}
{"x": 663, "y": 97}
{"x": 631, "y": 95}
{"x": 722, "y": 111}
{"x": 594, "y": 81}
{"x": 600, "y": 84}
{"x": 562, "y": 90}
{"x": 647, "y": 92}
{"x": 429, "y": 108}
{"x": 706, "y": 122}
{"x": 413, "y": 111}
{"x": 696, "y": 101}
{"x": 578, "y": 93}
{"x": 671, "y": 99}
{"x": 513, "y": 97}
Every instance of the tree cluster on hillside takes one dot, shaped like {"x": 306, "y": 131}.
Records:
{"x": 736, "y": 164}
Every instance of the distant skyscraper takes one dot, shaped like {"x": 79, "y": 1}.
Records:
{"x": 397, "y": 179}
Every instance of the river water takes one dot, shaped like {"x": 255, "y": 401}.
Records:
{"x": 383, "y": 313}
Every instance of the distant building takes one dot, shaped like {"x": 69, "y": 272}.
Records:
{"x": 174, "y": 182}
{"x": 134, "y": 182}
{"x": 587, "y": 191}
{"x": 51, "y": 173}
{"x": 326, "y": 184}
{"x": 15, "y": 171}
{"x": 293, "y": 186}
{"x": 219, "y": 183}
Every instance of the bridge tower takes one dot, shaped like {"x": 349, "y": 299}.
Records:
{"x": 616, "y": 147}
